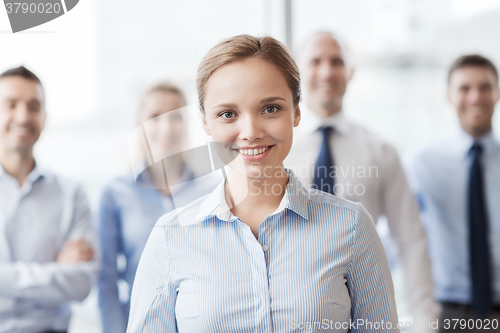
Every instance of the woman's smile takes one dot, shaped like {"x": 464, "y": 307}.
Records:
{"x": 256, "y": 153}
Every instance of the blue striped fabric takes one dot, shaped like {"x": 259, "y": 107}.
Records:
{"x": 317, "y": 266}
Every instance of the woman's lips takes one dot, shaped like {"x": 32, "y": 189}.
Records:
{"x": 254, "y": 154}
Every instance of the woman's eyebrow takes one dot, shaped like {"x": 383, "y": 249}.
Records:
{"x": 226, "y": 105}
{"x": 271, "y": 99}
{"x": 265, "y": 100}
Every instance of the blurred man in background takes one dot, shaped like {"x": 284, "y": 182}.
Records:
{"x": 46, "y": 260}
{"x": 335, "y": 155}
{"x": 457, "y": 182}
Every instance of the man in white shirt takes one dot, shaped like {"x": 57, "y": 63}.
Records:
{"x": 457, "y": 181}
{"x": 46, "y": 256}
{"x": 354, "y": 163}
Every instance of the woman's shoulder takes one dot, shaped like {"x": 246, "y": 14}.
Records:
{"x": 184, "y": 215}
{"x": 325, "y": 204}
{"x": 319, "y": 198}
{"x": 118, "y": 183}
{"x": 323, "y": 208}
{"x": 324, "y": 198}
{"x": 116, "y": 188}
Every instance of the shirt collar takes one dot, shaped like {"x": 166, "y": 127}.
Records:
{"x": 310, "y": 121}
{"x": 36, "y": 173}
{"x": 488, "y": 141}
{"x": 216, "y": 204}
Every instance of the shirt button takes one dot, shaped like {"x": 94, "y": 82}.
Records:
{"x": 264, "y": 248}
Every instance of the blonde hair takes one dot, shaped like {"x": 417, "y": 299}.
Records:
{"x": 245, "y": 46}
{"x": 162, "y": 87}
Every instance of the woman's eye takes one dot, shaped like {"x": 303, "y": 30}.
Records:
{"x": 227, "y": 114}
{"x": 270, "y": 109}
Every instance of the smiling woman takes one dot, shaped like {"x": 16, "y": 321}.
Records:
{"x": 249, "y": 259}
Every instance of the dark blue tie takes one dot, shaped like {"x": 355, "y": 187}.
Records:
{"x": 324, "y": 165}
{"x": 478, "y": 228}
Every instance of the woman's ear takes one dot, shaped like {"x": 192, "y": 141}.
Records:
{"x": 205, "y": 125}
{"x": 296, "y": 117}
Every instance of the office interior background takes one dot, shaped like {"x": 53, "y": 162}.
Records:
{"x": 96, "y": 60}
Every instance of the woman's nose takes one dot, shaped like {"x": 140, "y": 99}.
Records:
{"x": 252, "y": 129}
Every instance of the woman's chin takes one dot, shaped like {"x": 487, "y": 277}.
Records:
{"x": 256, "y": 172}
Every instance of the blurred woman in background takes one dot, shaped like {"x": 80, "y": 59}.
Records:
{"x": 130, "y": 205}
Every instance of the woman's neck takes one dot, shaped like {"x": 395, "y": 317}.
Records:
{"x": 172, "y": 169}
{"x": 248, "y": 193}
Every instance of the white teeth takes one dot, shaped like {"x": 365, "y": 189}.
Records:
{"x": 252, "y": 152}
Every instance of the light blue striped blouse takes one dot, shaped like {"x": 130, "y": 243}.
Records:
{"x": 317, "y": 265}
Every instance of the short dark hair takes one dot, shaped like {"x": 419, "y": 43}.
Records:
{"x": 472, "y": 60}
{"x": 23, "y": 72}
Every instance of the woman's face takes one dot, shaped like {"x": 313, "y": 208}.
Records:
{"x": 249, "y": 105}
{"x": 164, "y": 123}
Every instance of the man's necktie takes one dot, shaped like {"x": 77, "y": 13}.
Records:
{"x": 323, "y": 170}
{"x": 480, "y": 264}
